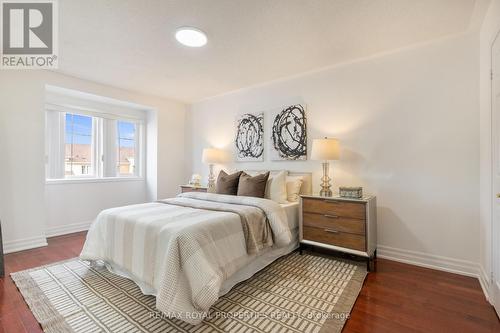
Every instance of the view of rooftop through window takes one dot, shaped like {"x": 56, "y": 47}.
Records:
{"x": 126, "y": 148}
{"x": 78, "y": 145}
{"x": 79, "y": 151}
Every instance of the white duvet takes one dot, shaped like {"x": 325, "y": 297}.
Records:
{"x": 181, "y": 254}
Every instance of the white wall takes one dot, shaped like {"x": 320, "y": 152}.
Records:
{"x": 409, "y": 127}
{"x": 28, "y": 207}
{"x": 22, "y": 169}
{"x": 73, "y": 207}
{"x": 489, "y": 30}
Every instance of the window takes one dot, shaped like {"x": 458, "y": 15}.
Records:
{"x": 126, "y": 148}
{"x": 81, "y": 145}
{"x": 78, "y": 146}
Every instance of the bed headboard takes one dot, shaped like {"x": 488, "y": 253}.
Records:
{"x": 306, "y": 188}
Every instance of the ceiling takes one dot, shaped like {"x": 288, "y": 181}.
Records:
{"x": 130, "y": 43}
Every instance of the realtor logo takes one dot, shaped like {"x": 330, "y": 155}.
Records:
{"x": 29, "y": 34}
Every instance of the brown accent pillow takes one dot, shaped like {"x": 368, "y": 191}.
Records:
{"x": 227, "y": 184}
{"x": 253, "y": 186}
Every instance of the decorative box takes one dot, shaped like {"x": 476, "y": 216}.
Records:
{"x": 351, "y": 192}
{"x": 195, "y": 180}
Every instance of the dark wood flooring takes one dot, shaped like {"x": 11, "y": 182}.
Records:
{"x": 395, "y": 298}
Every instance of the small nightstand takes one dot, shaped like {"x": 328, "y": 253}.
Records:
{"x": 341, "y": 224}
{"x": 191, "y": 188}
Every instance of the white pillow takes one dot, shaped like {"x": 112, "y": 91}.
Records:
{"x": 276, "y": 187}
{"x": 293, "y": 185}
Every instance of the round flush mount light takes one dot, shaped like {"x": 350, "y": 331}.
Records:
{"x": 191, "y": 37}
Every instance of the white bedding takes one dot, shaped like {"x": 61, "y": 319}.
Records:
{"x": 255, "y": 263}
{"x": 187, "y": 257}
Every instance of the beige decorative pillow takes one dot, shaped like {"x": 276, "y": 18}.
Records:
{"x": 252, "y": 186}
{"x": 293, "y": 185}
{"x": 227, "y": 184}
{"x": 276, "y": 187}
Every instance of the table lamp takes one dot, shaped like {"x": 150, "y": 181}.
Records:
{"x": 211, "y": 156}
{"x": 325, "y": 150}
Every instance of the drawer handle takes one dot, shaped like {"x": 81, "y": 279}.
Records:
{"x": 331, "y": 231}
{"x": 331, "y": 216}
{"x": 331, "y": 202}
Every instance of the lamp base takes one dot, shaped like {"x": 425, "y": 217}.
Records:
{"x": 326, "y": 193}
{"x": 211, "y": 188}
{"x": 211, "y": 180}
{"x": 325, "y": 185}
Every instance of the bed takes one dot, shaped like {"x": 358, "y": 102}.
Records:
{"x": 190, "y": 250}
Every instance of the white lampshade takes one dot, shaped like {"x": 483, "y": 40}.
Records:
{"x": 212, "y": 156}
{"x": 325, "y": 149}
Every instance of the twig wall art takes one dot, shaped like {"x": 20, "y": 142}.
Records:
{"x": 289, "y": 134}
{"x": 249, "y": 139}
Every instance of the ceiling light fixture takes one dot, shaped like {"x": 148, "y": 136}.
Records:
{"x": 191, "y": 37}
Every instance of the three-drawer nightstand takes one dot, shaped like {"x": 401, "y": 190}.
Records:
{"x": 191, "y": 188}
{"x": 341, "y": 224}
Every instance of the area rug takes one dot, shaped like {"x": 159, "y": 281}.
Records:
{"x": 296, "y": 293}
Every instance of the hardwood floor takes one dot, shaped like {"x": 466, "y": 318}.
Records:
{"x": 395, "y": 298}
{"x": 15, "y": 316}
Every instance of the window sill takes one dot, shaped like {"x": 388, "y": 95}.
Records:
{"x": 93, "y": 180}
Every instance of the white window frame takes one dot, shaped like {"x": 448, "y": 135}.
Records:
{"x": 109, "y": 148}
{"x": 102, "y": 145}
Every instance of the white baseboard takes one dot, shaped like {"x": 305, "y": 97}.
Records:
{"x": 451, "y": 265}
{"x": 458, "y": 266}
{"x": 68, "y": 229}
{"x": 24, "y": 244}
{"x": 484, "y": 281}
{"x": 39, "y": 241}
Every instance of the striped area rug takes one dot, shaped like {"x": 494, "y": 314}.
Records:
{"x": 296, "y": 293}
